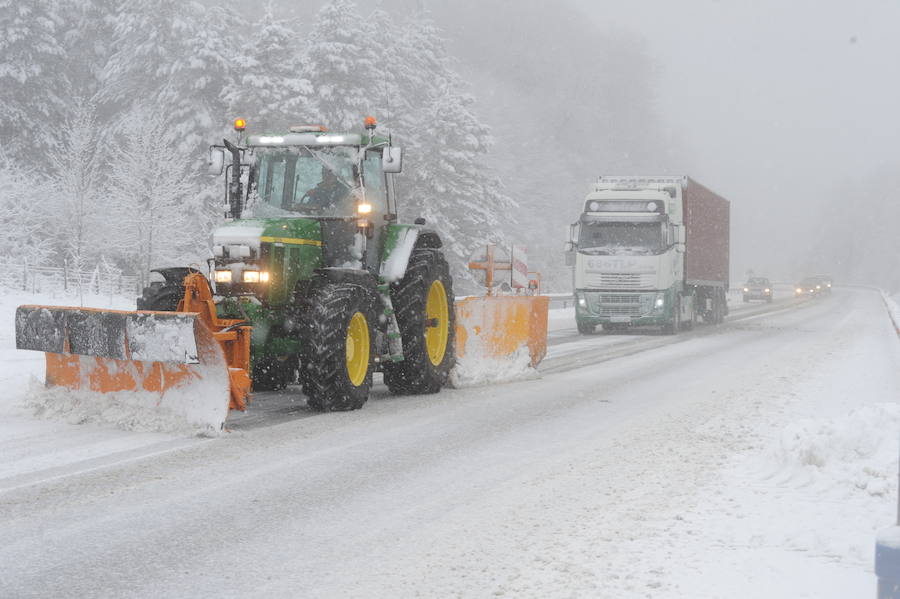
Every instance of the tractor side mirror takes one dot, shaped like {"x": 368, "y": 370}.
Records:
{"x": 392, "y": 160}
{"x": 216, "y": 162}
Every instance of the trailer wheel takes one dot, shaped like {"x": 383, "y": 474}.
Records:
{"x": 423, "y": 302}
{"x": 339, "y": 341}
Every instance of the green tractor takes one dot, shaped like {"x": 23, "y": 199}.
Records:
{"x": 312, "y": 256}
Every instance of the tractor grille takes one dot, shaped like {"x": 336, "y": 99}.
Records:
{"x": 621, "y": 280}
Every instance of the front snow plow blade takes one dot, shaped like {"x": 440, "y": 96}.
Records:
{"x": 169, "y": 361}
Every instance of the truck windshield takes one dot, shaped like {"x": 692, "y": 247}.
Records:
{"x": 621, "y": 238}
{"x": 310, "y": 181}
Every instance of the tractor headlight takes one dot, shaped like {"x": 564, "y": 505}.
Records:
{"x": 223, "y": 276}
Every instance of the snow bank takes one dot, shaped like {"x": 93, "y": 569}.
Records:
{"x": 200, "y": 407}
{"x": 856, "y": 453}
{"x": 476, "y": 368}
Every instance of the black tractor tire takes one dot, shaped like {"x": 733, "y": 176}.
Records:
{"x": 325, "y": 330}
{"x": 417, "y": 373}
{"x": 161, "y": 298}
{"x": 585, "y": 328}
{"x": 164, "y": 297}
{"x": 273, "y": 373}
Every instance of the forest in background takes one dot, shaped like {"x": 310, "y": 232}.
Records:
{"x": 114, "y": 105}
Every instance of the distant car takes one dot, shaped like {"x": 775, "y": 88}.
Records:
{"x": 757, "y": 288}
{"x": 826, "y": 282}
{"x": 809, "y": 287}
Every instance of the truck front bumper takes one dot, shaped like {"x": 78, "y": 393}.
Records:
{"x": 623, "y": 308}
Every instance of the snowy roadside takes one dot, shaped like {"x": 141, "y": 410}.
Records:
{"x": 30, "y": 444}
{"x": 815, "y": 477}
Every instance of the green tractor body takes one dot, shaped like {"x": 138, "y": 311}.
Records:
{"x": 311, "y": 255}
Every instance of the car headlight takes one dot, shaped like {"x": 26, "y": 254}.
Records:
{"x": 746, "y": 290}
{"x": 768, "y": 291}
{"x": 799, "y": 291}
{"x": 223, "y": 276}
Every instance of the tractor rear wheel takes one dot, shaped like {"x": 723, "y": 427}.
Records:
{"x": 339, "y": 347}
{"x": 423, "y": 302}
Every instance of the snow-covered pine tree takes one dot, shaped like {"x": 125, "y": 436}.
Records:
{"x": 448, "y": 179}
{"x": 269, "y": 89}
{"x": 341, "y": 65}
{"x": 33, "y": 81}
{"x": 151, "y": 201}
{"x": 179, "y": 56}
{"x": 23, "y": 214}
{"x": 74, "y": 209}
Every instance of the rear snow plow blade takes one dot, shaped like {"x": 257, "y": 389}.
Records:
{"x": 500, "y": 326}
{"x": 172, "y": 360}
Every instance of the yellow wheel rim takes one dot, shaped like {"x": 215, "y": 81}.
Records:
{"x": 437, "y": 325}
{"x": 357, "y": 349}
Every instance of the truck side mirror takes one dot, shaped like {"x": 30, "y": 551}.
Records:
{"x": 216, "y": 162}
{"x": 392, "y": 160}
{"x": 680, "y": 234}
{"x": 570, "y": 258}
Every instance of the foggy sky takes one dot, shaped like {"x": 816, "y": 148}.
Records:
{"x": 776, "y": 104}
{"x": 773, "y": 104}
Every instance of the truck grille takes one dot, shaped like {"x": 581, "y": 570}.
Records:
{"x": 608, "y": 304}
{"x": 621, "y": 280}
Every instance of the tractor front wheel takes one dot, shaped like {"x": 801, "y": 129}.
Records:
{"x": 423, "y": 302}
{"x": 339, "y": 348}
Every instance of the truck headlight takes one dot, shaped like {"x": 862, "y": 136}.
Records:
{"x": 660, "y": 301}
{"x": 582, "y": 301}
{"x": 251, "y": 276}
{"x": 223, "y": 276}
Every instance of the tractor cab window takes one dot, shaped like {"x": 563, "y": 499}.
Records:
{"x": 374, "y": 178}
{"x": 306, "y": 181}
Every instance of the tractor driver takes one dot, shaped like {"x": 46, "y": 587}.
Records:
{"x": 327, "y": 196}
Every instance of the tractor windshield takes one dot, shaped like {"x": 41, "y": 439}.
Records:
{"x": 308, "y": 181}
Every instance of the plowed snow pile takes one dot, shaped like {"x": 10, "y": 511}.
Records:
{"x": 198, "y": 408}
{"x": 476, "y": 368}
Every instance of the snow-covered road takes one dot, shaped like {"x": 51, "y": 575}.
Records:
{"x": 750, "y": 460}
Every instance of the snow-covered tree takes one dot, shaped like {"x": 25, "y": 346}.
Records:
{"x": 32, "y": 76}
{"x": 452, "y": 186}
{"x": 177, "y": 55}
{"x": 154, "y": 215}
{"x": 341, "y": 65}
{"x": 23, "y": 214}
{"x": 269, "y": 89}
{"x": 76, "y": 163}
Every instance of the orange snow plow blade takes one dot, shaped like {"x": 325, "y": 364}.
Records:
{"x": 500, "y": 325}
{"x": 187, "y": 361}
